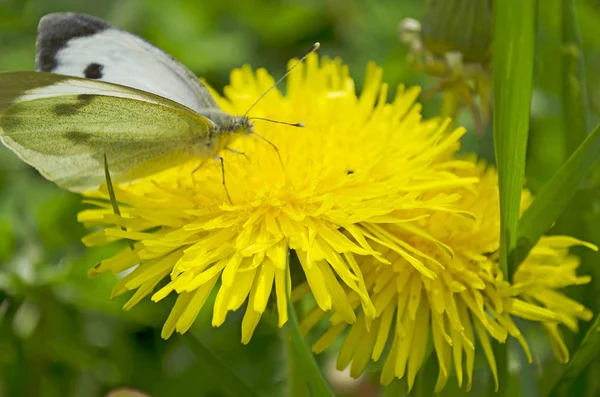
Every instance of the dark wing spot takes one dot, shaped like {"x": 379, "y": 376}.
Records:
{"x": 78, "y": 138}
{"x": 65, "y": 109}
{"x": 93, "y": 71}
{"x": 56, "y": 30}
{"x": 350, "y": 172}
{"x": 69, "y": 109}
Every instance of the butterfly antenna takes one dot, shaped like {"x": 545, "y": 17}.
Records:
{"x": 312, "y": 49}
{"x": 301, "y": 124}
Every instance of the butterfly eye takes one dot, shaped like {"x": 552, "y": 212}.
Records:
{"x": 93, "y": 71}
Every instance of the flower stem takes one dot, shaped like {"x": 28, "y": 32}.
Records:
{"x": 296, "y": 386}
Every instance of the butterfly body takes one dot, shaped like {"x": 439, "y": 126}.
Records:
{"x": 100, "y": 90}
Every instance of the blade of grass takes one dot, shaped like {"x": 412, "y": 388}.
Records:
{"x": 562, "y": 187}
{"x": 578, "y": 124}
{"x": 554, "y": 197}
{"x": 513, "y": 53}
{"x": 587, "y": 350}
{"x": 310, "y": 370}
{"x": 576, "y": 119}
{"x": 231, "y": 383}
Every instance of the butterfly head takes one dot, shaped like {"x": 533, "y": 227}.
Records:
{"x": 232, "y": 127}
{"x": 225, "y": 129}
{"x": 225, "y": 124}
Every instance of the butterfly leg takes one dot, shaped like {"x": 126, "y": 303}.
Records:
{"x": 113, "y": 198}
{"x": 223, "y": 177}
{"x": 198, "y": 167}
{"x": 238, "y": 152}
{"x": 222, "y": 174}
{"x": 194, "y": 171}
{"x": 273, "y": 145}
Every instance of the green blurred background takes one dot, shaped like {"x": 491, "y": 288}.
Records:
{"x": 60, "y": 335}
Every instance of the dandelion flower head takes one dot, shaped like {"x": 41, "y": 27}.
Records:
{"x": 467, "y": 300}
{"x": 359, "y": 159}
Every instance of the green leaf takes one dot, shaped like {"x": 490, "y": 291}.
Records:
{"x": 231, "y": 383}
{"x": 554, "y": 197}
{"x": 513, "y": 50}
{"x": 587, "y": 350}
{"x": 304, "y": 360}
{"x": 513, "y": 53}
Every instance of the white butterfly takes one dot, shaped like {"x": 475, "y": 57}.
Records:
{"x": 100, "y": 90}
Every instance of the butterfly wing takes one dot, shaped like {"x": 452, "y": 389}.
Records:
{"x": 84, "y": 46}
{"x": 63, "y": 125}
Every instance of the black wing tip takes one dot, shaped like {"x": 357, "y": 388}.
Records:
{"x": 60, "y": 20}
{"x": 56, "y": 29}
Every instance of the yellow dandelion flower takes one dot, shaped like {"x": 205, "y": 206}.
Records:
{"x": 358, "y": 159}
{"x": 466, "y": 300}
{"x": 548, "y": 268}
